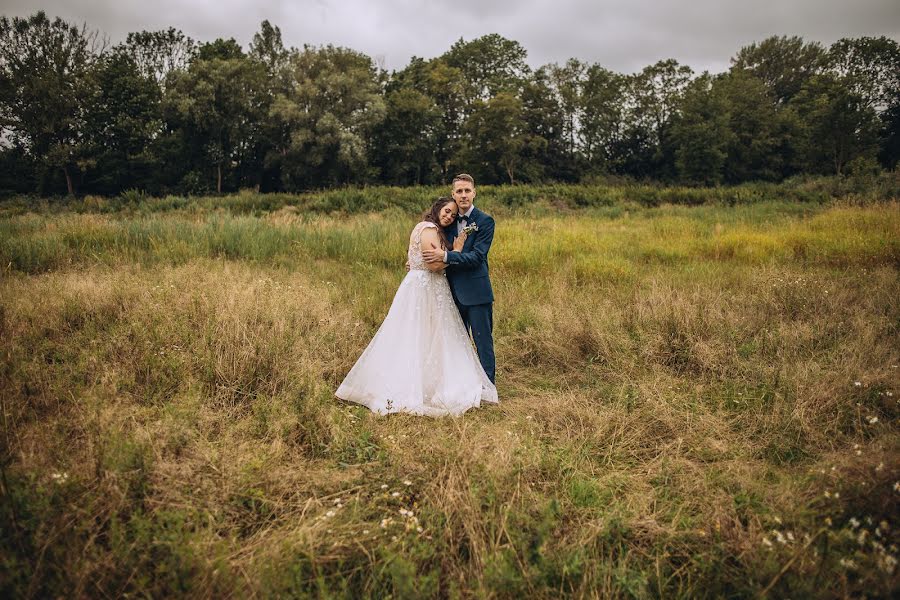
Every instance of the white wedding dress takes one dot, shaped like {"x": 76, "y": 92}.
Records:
{"x": 421, "y": 360}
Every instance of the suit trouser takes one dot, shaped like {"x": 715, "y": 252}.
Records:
{"x": 479, "y": 319}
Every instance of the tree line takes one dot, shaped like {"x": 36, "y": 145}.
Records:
{"x": 163, "y": 113}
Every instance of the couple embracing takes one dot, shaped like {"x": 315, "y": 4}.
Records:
{"x": 421, "y": 360}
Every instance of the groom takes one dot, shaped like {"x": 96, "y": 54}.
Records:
{"x": 467, "y": 271}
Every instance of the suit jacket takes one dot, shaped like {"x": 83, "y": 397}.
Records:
{"x": 467, "y": 271}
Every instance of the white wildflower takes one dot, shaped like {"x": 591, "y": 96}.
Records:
{"x": 766, "y": 542}
{"x": 365, "y": 532}
{"x": 395, "y": 494}
{"x": 384, "y": 486}
{"x": 872, "y": 420}
{"x": 853, "y": 522}
{"x": 407, "y": 482}
{"x": 330, "y": 513}
{"x": 857, "y": 383}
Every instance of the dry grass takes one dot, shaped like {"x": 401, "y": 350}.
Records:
{"x": 678, "y": 393}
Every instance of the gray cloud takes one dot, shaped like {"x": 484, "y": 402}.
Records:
{"x": 623, "y": 36}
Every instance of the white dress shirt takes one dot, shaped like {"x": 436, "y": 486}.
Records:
{"x": 460, "y": 226}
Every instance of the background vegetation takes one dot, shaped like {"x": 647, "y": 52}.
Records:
{"x": 163, "y": 114}
{"x": 697, "y": 399}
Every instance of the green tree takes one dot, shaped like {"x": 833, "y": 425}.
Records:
{"x": 216, "y": 103}
{"x": 838, "y": 124}
{"x": 783, "y": 63}
{"x": 764, "y": 136}
{"x": 545, "y": 119}
{"x": 567, "y": 82}
{"x": 870, "y": 67}
{"x": 330, "y": 112}
{"x": 445, "y": 86}
{"x": 490, "y": 64}
{"x": 497, "y": 139}
{"x": 700, "y": 133}
{"x": 651, "y": 99}
{"x": 406, "y": 139}
{"x": 122, "y": 119}
{"x": 45, "y": 87}
{"x": 602, "y": 117}
{"x": 268, "y": 49}
{"x": 158, "y": 53}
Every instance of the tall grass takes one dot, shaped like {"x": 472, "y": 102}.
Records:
{"x": 696, "y": 401}
{"x": 534, "y": 198}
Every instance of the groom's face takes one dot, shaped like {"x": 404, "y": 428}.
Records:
{"x": 463, "y": 193}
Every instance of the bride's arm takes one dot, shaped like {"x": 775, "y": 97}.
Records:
{"x": 431, "y": 241}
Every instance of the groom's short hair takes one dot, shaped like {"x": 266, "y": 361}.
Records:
{"x": 464, "y": 177}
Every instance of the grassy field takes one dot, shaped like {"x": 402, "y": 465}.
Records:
{"x": 696, "y": 401}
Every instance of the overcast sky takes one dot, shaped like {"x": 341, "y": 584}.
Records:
{"x": 623, "y": 36}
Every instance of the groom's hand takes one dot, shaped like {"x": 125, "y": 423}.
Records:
{"x": 433, "y": 254}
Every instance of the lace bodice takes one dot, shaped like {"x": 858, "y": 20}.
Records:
{"x": 414, "y": 254}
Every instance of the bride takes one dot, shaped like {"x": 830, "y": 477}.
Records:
{"x": 421, "y": 360}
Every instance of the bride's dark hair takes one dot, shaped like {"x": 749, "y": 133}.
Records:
{"x": 433, "y": 216}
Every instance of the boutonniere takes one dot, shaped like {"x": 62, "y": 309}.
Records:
{"x": 470, "y": 228}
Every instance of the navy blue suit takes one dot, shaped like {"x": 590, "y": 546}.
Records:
{"x": 467, "y": 273}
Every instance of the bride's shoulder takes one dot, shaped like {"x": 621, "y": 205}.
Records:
{"x": 425, "y": 225}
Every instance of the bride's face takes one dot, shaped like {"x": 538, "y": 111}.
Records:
{"x": 447, "y": 214}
